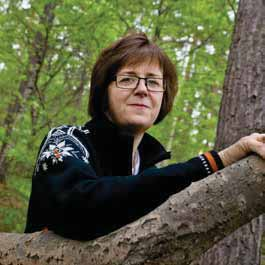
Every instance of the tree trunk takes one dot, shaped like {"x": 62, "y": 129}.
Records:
{"x": 242, "y": 112}
{"x": 27, "y": 87}
{"x": 182, "y": 228}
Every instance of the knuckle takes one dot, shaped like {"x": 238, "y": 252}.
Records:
{"x": 254, "y": 134}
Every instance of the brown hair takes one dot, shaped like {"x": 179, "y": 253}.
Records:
{"x": 131, "y": 49}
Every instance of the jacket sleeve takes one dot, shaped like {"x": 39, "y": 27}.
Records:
{"x": 70, "y": 199}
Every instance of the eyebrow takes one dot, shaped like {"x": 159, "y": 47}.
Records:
{"x": 134, "y": 73}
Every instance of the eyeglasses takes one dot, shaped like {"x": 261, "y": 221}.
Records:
{"x": 153, "y": 84}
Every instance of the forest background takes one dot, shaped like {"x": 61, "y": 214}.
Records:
{"x": 47, "y": 51}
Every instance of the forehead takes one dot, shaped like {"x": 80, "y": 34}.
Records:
{"x": 147, "y": 68}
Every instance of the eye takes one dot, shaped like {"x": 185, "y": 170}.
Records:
{"x": 154, "y": 82}
{"x": 126, "y": 79}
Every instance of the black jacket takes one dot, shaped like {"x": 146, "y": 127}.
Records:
{"x": 82, "y": 186}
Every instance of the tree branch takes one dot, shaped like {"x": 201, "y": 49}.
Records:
{"x": 177, "y": 232}
{"x": 231, "y": 5}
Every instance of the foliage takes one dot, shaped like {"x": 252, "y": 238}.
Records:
{"x": 13, "y": 208}
{"x": 195, "y": 34}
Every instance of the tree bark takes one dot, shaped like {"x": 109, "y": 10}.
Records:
{"x": 175, "y": 233}
{"x": 242, "y": 112}
{"x": 242, "y": 108}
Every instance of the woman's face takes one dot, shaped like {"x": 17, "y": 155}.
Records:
{"x": 135, "y": 109}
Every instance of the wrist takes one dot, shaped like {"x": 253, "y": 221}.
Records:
{"x": 234, "y": 152}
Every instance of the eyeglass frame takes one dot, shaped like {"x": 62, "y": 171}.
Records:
{"x": 145, "y": 82}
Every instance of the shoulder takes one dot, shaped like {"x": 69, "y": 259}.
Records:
{"x": 64, "y": 141}
{"x": 66, "y": 134}
{"x": 66, "y": 130}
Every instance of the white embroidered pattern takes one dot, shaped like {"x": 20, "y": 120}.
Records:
{"x": 60, "y": 143}
{"x": 205, "y": 164}
{"x": 57, "y": 152}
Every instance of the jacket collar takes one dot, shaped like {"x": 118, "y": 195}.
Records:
{"x": 114, "y": 148}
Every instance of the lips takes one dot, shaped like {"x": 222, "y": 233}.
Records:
{"x": 140, "y": 105}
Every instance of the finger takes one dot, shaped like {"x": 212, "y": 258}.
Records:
{"x": 258, "y": 148}
{"x": 261, "y": 152}
{"x": 261, "y": 137}
{"x": 255, "y": 145}
{"x": 258, "y": 136}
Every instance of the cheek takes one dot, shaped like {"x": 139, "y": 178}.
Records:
{"x": 116, "y": 103}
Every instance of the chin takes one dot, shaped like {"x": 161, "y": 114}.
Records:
{"x": 138, "y": 124}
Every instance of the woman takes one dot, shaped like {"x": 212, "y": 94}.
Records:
{"x": 92, "y": 180}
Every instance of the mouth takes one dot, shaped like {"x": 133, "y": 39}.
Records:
{"x": 137, "y": 105}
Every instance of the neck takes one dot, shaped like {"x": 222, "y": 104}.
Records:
{"x": 137, "y": 136}
{"x": 137, "y": 139}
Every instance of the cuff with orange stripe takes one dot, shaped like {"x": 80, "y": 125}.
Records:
{"x": 211, "y": 161}
{"x": 205, "y": 165}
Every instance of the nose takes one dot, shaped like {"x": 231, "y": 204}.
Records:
{"x": 141, "y": 88}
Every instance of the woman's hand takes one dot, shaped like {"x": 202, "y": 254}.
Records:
{"x": 251, "y": 143}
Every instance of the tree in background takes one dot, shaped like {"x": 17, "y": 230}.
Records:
{"x": 38, "y": 48}
{"x": 242, "y": 112}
